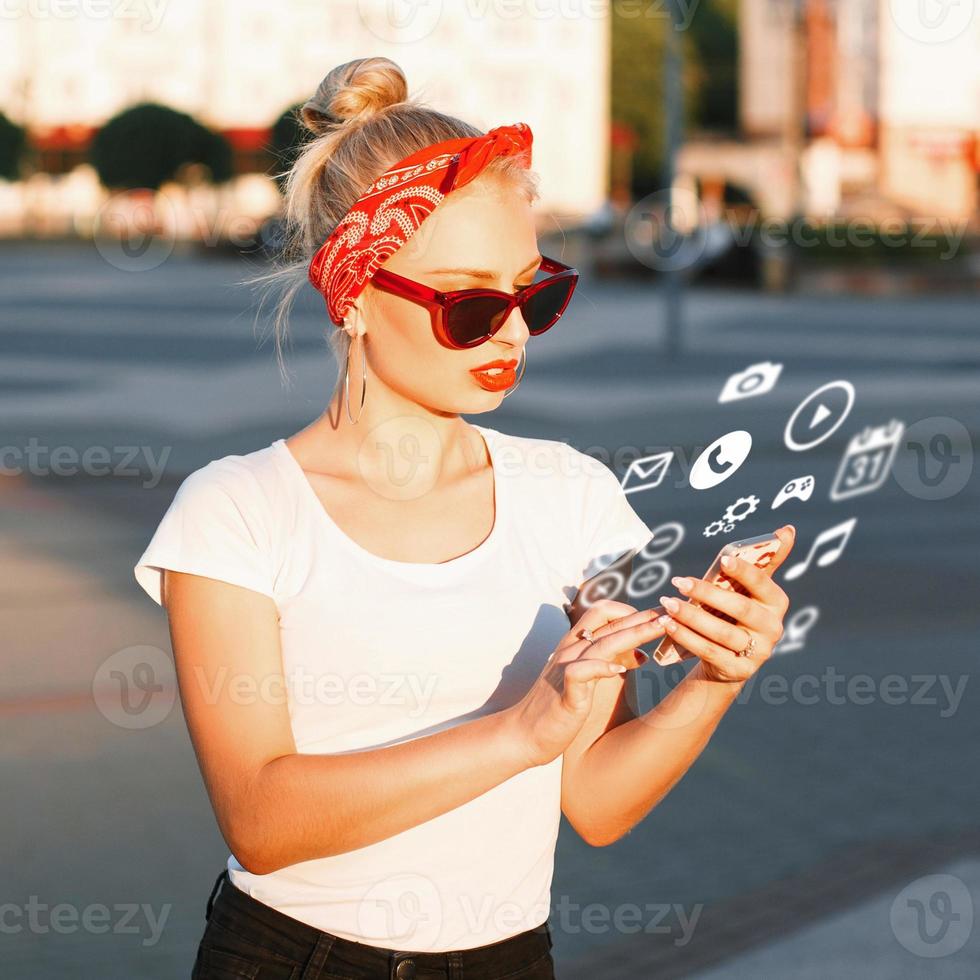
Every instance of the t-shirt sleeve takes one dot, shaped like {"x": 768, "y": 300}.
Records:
{"x": 213, "y": 527}
{"x": 610, "y": 526}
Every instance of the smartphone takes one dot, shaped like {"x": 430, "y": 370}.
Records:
{"x": 760, "y": 550}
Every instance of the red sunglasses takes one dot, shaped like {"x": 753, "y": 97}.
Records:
{"x": 465, "y": 318}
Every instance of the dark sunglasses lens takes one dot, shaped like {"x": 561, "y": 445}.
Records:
{"x": 543, "y": 308}
{"x": 473, "y": 320}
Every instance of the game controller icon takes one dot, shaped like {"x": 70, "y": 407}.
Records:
{"x": 800, "y": 487}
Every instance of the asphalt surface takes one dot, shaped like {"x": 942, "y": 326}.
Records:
{"x": 803, "y": 842}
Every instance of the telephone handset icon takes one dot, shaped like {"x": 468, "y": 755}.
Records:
{"x": 721, "y": 459}
{"x": 716, "y": 463}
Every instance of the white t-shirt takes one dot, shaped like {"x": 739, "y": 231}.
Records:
{"x": 377, "y": 651}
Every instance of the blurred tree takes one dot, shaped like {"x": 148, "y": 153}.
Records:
{"x": 714, "y": 31}
{"x": 146, "y": 144}
{"x": 637, "y": 84}
{"x": 288, "y": 134}
{"x": 13, "y": 140}
{"x": 214, "y": 151}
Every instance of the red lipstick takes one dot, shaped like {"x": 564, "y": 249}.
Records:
{"x": 495, "y": 375}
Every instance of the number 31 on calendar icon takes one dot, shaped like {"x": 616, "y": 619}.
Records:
{"x": 867, "y": 460}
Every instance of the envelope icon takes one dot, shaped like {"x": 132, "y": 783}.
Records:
{"x": 647, "y": 471}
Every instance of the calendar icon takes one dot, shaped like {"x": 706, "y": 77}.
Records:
{"x": 867, "y": 460}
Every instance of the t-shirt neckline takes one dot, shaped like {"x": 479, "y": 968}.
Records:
{"x": 429, "y": 571}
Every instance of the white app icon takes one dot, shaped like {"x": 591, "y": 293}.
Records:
{"x": 647, "y": 472}
{"x": 797, "y": 628}
{"x": 806, "y": 427}
{"x": 721, "y": 459}
{"x": 800, "y": 487}
{"x": 605, "y": 586}
{"x": 827, "y": 548}
{"x": 756, "y": 379}
{"x": 867, "y": 460}
{"x": 664, "y": 539}
{"x": 647, "y": 579}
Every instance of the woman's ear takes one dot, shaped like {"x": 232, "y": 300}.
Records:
{"x": 354, "y": 322}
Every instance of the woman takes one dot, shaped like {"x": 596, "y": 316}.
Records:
{"x": 387, "y": 705}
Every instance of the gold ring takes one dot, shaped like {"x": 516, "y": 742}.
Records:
{"x": 748, "y": 649}
{"x": 586, "y": 634}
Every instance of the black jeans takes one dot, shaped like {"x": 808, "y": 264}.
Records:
{"x": 246, "y": 938}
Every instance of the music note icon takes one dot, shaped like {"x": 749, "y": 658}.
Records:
{"x": 840, "y": 531}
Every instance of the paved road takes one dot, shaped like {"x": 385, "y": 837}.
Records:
{"x": 785, "y": 852}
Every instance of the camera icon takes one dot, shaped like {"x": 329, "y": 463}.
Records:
{"x": 756, "y": 379}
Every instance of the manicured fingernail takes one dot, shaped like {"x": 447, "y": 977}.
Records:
{"x": 789, "y": 527}
{"x": 681, "y": 584}
{"x": 618, "y": 668}
{"x": 728, "y": 561}
{"x": 669, "y": 603}
{"x": 664, "y": 620}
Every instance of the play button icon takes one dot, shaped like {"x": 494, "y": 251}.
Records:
{"x": 819, "y": 415}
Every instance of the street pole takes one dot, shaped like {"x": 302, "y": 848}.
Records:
{"x": 674, "y": 101}
{"x": 795, "y": 131}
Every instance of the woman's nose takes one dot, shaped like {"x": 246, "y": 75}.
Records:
{"x": 514, "y": 330}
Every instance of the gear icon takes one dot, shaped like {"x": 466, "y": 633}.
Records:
{"x": 715, "y": 527}
{"x": 750, "y": 504}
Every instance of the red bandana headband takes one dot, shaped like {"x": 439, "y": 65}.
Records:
{"x": 391, "y": 210}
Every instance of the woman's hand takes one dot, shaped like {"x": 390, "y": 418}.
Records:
{"x": 553, "y": 711}
{"x": 758, "y": 616}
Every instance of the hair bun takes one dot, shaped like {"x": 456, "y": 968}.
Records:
{"x": 355, "y": 90}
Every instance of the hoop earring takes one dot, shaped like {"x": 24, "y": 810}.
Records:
{"x": 363, "y": 382}
{"x": 513, "y": 387}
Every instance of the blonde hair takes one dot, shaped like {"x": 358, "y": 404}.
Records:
{"x": 362, "y": 122}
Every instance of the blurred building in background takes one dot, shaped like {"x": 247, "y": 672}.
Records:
{"x": 236, "y": 65}
{"x": 853, "y": 107}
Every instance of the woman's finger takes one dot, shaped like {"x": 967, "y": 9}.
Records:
{"x": 577, "y": 689}
{"x": 725, "y": 634}
{"x": 787, "y": 535}
{"x": 623, "y": 641}
{"x": 578, "y": 609}
{"x": 721, "y": 659}
{"x": 740, "y": 607}
{"x": 758, "y": 581}
{"x": 603, "y": 616}
{"x": 604, "y": 611}
{"x": 634, "y": 619}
